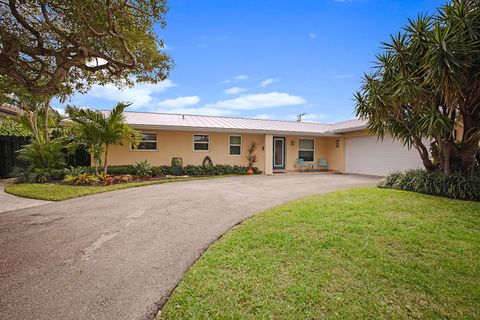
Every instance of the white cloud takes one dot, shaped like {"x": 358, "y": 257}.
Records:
{"x": 200, "y": 111}
{"x": 312, "y": 35}
{"x": 179, "y": 102}
{"x": 234, "y": 90}
{"x": 140, "y": 95}
{"x": 267, "y": 82}
{"x": 258, "y": 101}
{"x": 240, "y": 77}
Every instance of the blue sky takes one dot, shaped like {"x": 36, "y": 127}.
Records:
{"x": 266, "y": 58}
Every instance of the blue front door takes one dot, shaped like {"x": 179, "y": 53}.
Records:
{"x": 278, "y": 153}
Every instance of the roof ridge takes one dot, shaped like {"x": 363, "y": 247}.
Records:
{"x": 228, "y": 117}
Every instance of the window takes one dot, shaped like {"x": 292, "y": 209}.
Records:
{"x": 201, "y": 142}
{"x": 235, "y": 145}
{"x": 306, "y": 149}
{"x": 337, "y": 143}
{"x": 148, "y": 142}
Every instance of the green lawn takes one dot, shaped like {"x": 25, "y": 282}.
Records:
{"x": 58, "y": 192}
{"x": 357, "y": 254}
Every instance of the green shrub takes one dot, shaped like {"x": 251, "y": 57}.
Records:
{"x": 10, "y": 127}
{"x": 83, "y": 178}
{"x": 41, "y": 162}
{"x": 177, "y": 166}
{"x": 161, "y": 171}
{"x": 122, "y": 169}
{"x": 455, "y": 186}
{"x": 143, "y": 169}
{"x": 190, "y": 170}
{"x": 74, "y": 171}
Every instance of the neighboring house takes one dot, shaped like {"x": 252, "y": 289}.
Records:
{"x": 8, "y": 111}
{"x": 345, "y": 145}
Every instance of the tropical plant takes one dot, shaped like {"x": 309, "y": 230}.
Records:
{"x": 10, "y": 127}
{"x": 177, "y": 166}
{"x": 73, "y": 171}
{"x": 82, "y": 178}
{"x": 251, "y": 156}
{"x": 426, "y": 85}
{"x": 98, "y": 131}
{"x": 207, "y": 162}
{"x": 43, "y": 162}
{"x": 455, "y": 186}
{"x": 143, "y": 169}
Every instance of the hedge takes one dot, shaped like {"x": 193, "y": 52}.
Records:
{"x": 455, "y": 186}
{"x": 188, "y": 170}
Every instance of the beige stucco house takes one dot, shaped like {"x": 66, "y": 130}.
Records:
{"x": 346, "y": 146}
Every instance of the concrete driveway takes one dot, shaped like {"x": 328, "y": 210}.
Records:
{"x": 9, "y": 202}
{"x": 119, "y": 255}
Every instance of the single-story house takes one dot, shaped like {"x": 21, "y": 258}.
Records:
{"x": 346, "y": 146}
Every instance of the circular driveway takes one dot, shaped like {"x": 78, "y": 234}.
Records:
{"x": 118, "y": 255}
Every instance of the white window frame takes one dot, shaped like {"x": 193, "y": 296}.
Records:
{"x": 207, "y": 143}
{"x": 298, "y": 153}
{"x": 146, "y": 150}
{"x": 235, "y": 145}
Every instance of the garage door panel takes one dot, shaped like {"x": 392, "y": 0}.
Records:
{"x": 366, "y": 155}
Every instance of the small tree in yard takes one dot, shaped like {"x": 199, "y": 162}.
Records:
{"x": 251, "y": 156}
{"x": 98, "y": 131}
{"x": 426, "y": 84}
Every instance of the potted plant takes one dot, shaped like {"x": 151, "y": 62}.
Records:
{"x": 251, "y": 157}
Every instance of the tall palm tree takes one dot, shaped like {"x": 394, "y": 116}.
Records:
{"x": 426, "y": 83}
{"x": 98, "y": 131}
{"x": 87, "y": 132}
{"x": 114, "y": 131}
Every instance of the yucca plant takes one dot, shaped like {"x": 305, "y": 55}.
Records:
{"x": 426, "y": 83}
{"x": 143, "y": 169}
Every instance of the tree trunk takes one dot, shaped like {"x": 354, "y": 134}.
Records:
{"x": 446, "y": 156}
{"x": 46, "y": 129}
{"x": 105, "y": 165}
{"x": 468, "y": 156}
{"x": 423, "y": 152}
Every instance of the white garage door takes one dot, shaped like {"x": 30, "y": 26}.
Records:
{"x": 366, "y": 155}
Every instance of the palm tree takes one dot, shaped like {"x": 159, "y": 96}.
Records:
{"x": 98, "y": 131}
{"x": 87, "y": 132}
{"x": 426, "y": 83}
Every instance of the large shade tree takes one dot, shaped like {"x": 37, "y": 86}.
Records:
{"x": 53, "y": 48}
{"x": 56, "y": 47}
{"x": 425, "y": 88}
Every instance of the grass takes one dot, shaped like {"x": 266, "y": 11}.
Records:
{"x": 59, "y": 192}
{"x": 357, "y": 254}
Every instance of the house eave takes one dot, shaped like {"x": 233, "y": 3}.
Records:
{"x": 233, "y": 130}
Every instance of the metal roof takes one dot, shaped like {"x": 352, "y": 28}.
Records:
{"x": 167, "y": 121}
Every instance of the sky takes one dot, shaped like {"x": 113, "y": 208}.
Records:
{"x": 270, "y": 59}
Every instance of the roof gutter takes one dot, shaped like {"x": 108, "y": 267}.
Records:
{"x": 227, "y": 130}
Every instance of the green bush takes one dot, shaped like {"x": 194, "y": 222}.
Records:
{"x": 10, "y": 127}
{"x": 190, "y": 170}
{"x": 143, "y": 169}
{"x": 162, "y": 171}
{"x": 41, "y": 162}
{"x": 455, "y": 186}
{"x": 177, "y": 166}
